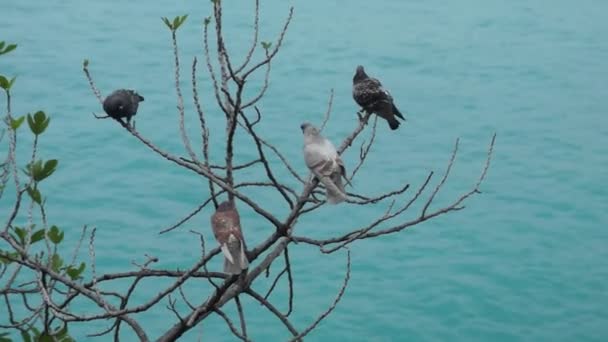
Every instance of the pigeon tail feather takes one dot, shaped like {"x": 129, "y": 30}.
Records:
{"x": 239, "y": 260}
{"x": 392, "y": 122}
{"x": 397, "y": 112}
{"x": 334, "y": 188}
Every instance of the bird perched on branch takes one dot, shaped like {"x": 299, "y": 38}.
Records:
{"x": 323, "y": 160}
{"x": 122, "y": 103}
{"x": 369, "y": 93}
{"x": 226, "y": 226}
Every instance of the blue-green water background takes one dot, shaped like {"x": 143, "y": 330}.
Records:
{"x": 526, "y": 260}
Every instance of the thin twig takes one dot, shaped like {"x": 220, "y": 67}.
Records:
{"x": 328, "y": 112}
{"x": 332, "y": 306}
{"x": 239, "y": 309}
{"x": 180, "y": 100}
{"x": 443, "y": 179}
{"x": 85, "y": 68}
{"x": 267, "y": 168}
{"x": 230, "y": 325}
{"x": 254, "y": 43}
{"x": 204, "y": 130}
{"x": 276, "y": 47}
{"x": 272, "y": 309}
{"x": 289, "y": 282}
{"x": 187, "y": 217}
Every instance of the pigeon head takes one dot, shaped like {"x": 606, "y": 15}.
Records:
{"x": 360, "y": 74}
{"x": 309, "y": 129}
{"x": 225, "y": 206}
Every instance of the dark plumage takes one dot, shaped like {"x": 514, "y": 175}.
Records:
{"x": 369, "y": 93}
{"x": 122, "y": 103}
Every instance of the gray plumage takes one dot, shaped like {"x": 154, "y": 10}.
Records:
{"x": 122, "y": 103}
{"x": 323, "y": 160}
{"x": 369, "y": 93}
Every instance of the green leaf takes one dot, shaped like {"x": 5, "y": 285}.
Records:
{"x": 8, "y": 49}
{"x": 7, "y": 258}
{"x": 15, "y": 123}
{"x": 207, "y": 20}
{"x": 11, "y": 82}
{"x": 1, "y": 46}
{"x": 266, "y": 45}
{"x": 34, "y": 194}
{"x": 45, "y": 337}
{"x": 4, "y": 83}
{"x": 35, "y": 170}
{"x": 74, "y": 272}
{"x": 85, "y": 63}
{"x": 25, "y": 336}
{"x": 3, "y": 257}
{"x": 63, "y": 332}
{"x": 40, "y": 171}
{"x": 175, "y": 23}
{"x": 31, "y": 123}
{"x": 37, "y": 236}
{"x": 166, "y": 21}
{"x": 40, "y": 116}
{"x": 55, "y": 235}
{"x": 35, "y": 333}
{"x": 38, "y": 123}
{"x": 56, "y": 262}
{"x": 21, "y": 234}
{"x": 49, "y": 167}
{"x": 181, "y": 20}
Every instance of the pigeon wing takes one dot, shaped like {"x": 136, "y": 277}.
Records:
{"x": 369, "y": 91}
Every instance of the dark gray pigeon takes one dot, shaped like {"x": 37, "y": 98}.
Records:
{"x": 369, "y": 93}
{"x": 122, "y": 103}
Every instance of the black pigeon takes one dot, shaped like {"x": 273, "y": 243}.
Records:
{"x": 369, "y": 93}
{"x": 122, "y": 103}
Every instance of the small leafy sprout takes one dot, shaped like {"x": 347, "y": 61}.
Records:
{"x": 34, "y": 194}
{"x": 56, "y": 262}
{"x": 38, "y": 123}
{"x": 85, "y": 63}
{"x": 40, "y": 170}
{"x": 55, "y": 235}
{"x": 207, "y": 20}
{"x": 5, "y": 83}
{"x": 15, "y": 123}
{"x": 74, "y": 272}
{"x": 266, "y": 45}
{"x": 176, "y": 23}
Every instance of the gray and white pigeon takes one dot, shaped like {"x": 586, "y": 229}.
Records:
{"x": 369, "y": 93}
{"x": 323, "y": 160}
{"x": 122, "y": 103}
{"x": 226, "y": 226}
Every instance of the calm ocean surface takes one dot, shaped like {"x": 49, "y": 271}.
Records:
{"x": 526, "y": 261}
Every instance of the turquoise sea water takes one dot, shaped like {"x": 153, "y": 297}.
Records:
{"x": 525, "y": 261}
